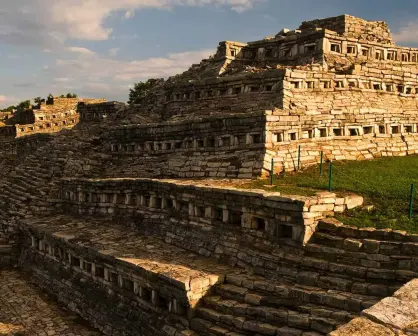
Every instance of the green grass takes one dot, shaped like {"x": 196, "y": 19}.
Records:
{"x": 384, "y": 183}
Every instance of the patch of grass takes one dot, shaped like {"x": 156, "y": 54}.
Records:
{"x": 384, "y": 183}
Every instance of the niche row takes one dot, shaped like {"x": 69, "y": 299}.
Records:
{"x": 288, "y": 51}
{"x": 303, "y": 84}
{"x": 298, "y": 84}
{"x": 373, "y": 52}
{"x": 44, "y": 125}
{"x": 109, "y": 276}
{"x": 325, "y": 132}
{"x": 172, "y": 206}
{"x": 190, "y": 143}
{"x": 224, "y": 91}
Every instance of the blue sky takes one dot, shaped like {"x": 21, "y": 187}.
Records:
{"x": 98, "y": 48}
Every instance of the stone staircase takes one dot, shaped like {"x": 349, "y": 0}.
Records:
{"x": 256, "y": 305}
{"x": 307, "y": 291}
{"x": 315, "y": 290}
{"x": 32, "y": 182}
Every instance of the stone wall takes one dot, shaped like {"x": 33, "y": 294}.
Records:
{"x": 352, "y": 27}
{"x": 7, "y": 132}
{"x": 232, "y": 146}
{"x": 99, "y": 111}
{"x": 53, "y": 125}
{"x": 254, "y": 213}
{"x": 13, "y": 152}
{"x": 113, "y": 297}
{"x": 18, "y": 148}
{"x": 233, "y": 94}
{"x": 243, "y": 145}
{"x": 387, "y": 249}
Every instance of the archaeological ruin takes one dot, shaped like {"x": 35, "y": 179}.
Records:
{"x": 129, "y": 222}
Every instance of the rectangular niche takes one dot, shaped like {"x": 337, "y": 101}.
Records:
{"x": 408, "y": 129}
{"x": 368, "y": 129}
{"x": 258, "y": 223}
{"x": 382, "y": 129}
{"x": 354, "y": 131}
{"x": 293, "y": 136}
{"x": 395, "y": 129}
{"x": 255, "y": 138}
{"x": 278, "y": 137}
{"x": 226, "y": 141}
{"x": 336, "y": 47}
{"x": 351, "y": 50}
{"x": 322, "y": 132}
{"x": 284, "y": 231}
{"x": 234, "y": 218}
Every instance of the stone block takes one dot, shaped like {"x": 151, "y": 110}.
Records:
{"x": 353, "y": 201}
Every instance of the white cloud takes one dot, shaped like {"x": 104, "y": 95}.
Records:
{"x": 7, "y": 101}
{"x": 81, "y": 50}
{"x": 113, "y": 52}
{"x": 129, "y": 14}
{"x": 61, "y": 79}
{"x": 101, "y": 69}
{"x": 50, "y": 22}
{"x": 407, "y": 33}
{"x": 93, "y": 75}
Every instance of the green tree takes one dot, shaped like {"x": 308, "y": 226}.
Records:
{"x": 37, "y": 100}
{"x": 9, "y": 109}
{"x": 141, "y": 90}
{"x": 24, "y": 105}
{"x": 71, "y": 95}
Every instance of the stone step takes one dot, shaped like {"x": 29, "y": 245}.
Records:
{"x": 390, "y": 266}
{"x": 6, "y": 249}
{"x": 353, "y": 285}
{"x": 28, "y": 177}
{"x": 205, "y": 327}
{"x": 319, "y": 264}
{"x": 347, "y": 232}
{"x": 307, "y": 317}
{"x": 294, "y": 296}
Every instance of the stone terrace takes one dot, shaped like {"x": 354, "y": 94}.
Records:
{"x": 137, "y": 256}
{"x": 26, "y": 310}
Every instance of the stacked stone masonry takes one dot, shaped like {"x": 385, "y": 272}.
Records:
{"x": 102, "y": 218}
{"x": 48, "y": 117}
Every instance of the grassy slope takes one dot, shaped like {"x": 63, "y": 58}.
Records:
{"x": 385, "y": 183}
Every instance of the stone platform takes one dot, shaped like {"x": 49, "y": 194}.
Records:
{"x": 26, "y": 310}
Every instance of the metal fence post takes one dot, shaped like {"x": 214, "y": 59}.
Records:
{"x": 330, "y": 177}
{"x": 411, "y": 200}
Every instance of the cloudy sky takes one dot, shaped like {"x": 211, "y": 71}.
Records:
{"x": 98, "y": 48}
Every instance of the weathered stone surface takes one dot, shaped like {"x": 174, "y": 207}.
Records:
{"x": 364, "y": 327}
{"x": 399, "y": 311}
{"x": 25, "y": 310}
{"x": 105, "y": 224}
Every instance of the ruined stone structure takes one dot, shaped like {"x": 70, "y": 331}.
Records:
{"x": 49, "y": 116}
{"x": 130, "y": 219}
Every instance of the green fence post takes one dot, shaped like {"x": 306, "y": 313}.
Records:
{"x": 272, "y": 171}
{"x": 330, "y": 177}
{"x": 411, "y": 200}
{"x": 320, "y": 166}
{"x": 299, "y": 158}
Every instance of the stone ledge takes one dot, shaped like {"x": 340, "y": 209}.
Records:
{"x": 393, "y": 316}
